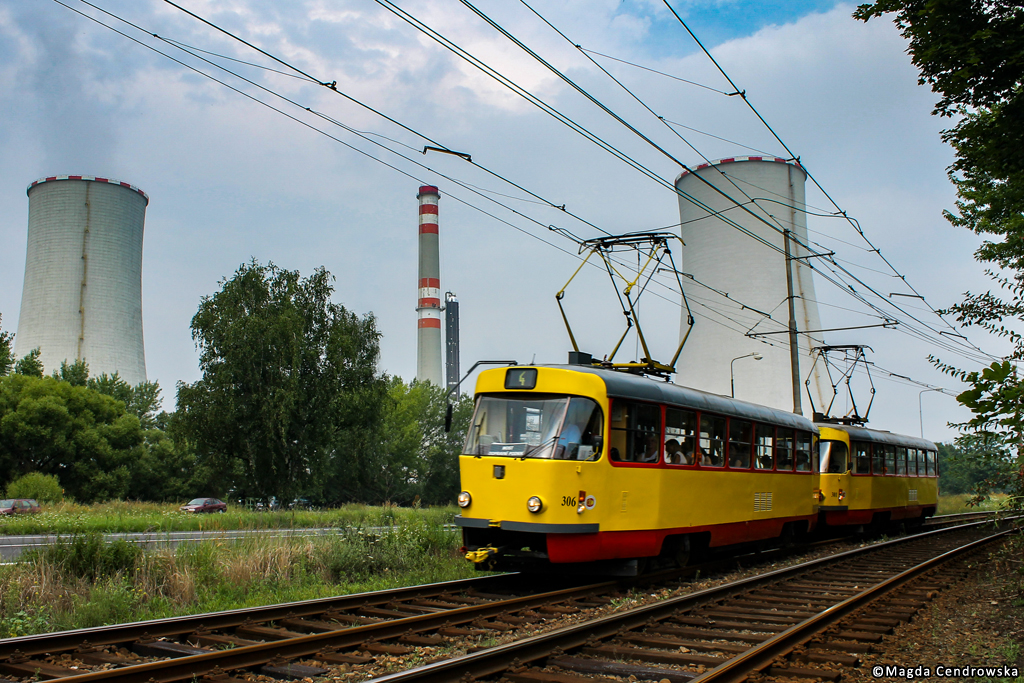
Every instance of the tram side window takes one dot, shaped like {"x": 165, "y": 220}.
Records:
{"x": 901, "y": 460}
{"x": 764, "y": 447}
{"x": 930, "y": 459}
{"x": 833, "y": 456}
{"x": 890, "y": 459}
{"x": 712, "y": 441}
{"x": 784, "y": 450}
{"x": 862, "y": 457}
{"x": 877, "y": 460}
{"x": 912, "y": 462}
{"x": 635, "y": 432}
{"x": 680, "y": 436}
{"x": 740, "y": 432}
{"x": 803, "y": 451}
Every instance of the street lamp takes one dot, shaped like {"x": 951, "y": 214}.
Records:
{"x": 920, "y": 407}
{"x": 732, "y": 377}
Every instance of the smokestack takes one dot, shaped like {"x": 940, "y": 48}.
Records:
{"x": 451, "y": 333}
{"x": 428, "y": 342}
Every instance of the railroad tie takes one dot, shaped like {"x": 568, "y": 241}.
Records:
{"x": 597, "y": 666}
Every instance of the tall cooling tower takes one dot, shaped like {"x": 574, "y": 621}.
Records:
{"x": 83, "y": 275}
{"x": 754, "y": 275}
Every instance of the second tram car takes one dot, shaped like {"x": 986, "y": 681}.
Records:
{"x": 565, "y": 466}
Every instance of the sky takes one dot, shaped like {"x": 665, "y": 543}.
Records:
{"x": 231, "y": 180}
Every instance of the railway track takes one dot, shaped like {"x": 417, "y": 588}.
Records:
{"x": 807, "y": 621}
{"x": 349, "y": 630}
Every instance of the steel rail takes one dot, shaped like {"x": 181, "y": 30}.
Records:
{"x": 185, "y": 668}
{"x": 172, "y": 626}
{"x": 499, "y": 658}
{"x": 737, "y": 669}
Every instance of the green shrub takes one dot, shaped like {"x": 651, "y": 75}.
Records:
{"x": 43, "y": 487}
{"x": 88, "y": 557}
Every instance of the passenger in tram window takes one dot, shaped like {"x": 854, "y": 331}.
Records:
{"x": 652, "y": 450}
{"x": 740, "y": 432}
{"x": 673, "y": 452}
{"x": 681, "y": 426}
{"x": 764, "y": 447}
{"x": 803, "y": 452}
{"x": 712, "y": 441}
{"x": 784, "y": 450}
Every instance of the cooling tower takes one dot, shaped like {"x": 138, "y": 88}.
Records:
{"x": 83, "y": 275}
{"x": 753, "y": 274}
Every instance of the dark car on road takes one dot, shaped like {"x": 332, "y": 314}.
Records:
{"x": 18, "y": 506}
{"x": 204, "y": 505}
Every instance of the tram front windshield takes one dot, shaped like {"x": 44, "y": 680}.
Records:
{"x": 536, "y": 426}
{"x": 833, "y": 456}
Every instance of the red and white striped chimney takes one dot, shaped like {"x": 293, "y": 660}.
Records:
{"x": 428, "y": 307}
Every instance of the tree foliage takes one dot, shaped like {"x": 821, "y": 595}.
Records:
{"x": 973, "y": 464}
{"x": 413, "y": 458}
{"x": 42, "y": 487}
{"x": 971, "y": 52}
{"x": 6, "y": 351}
{"x": 84, "y": 438}
{"x": 289, "y": 382}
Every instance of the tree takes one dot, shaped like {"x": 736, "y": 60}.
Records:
{"x": 29, "y": 365}
{"x": 971, "y": 52}
{"x": 42, "y": 487}
{"x": 413, "y": 457}
{"x": 973, "y": 464}
{"x": 6, "y": 351}
{"x": 84, "y": 438}
{"x": 286, "y": 374}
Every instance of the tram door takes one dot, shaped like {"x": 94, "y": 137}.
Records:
{"x": 834, "y": 461}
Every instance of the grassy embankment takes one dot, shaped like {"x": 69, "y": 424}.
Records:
{"x": 84, "y": 582}
{"x": 123, "y": 516}
{"x": 954, "y": 503}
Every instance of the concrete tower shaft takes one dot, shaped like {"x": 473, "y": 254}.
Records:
{"x": 754, "y": 274}
{"x": 82, "y": 298}
{"x": 428, "y": 307}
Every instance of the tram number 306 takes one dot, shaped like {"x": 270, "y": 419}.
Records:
{"x": 568, "y": 501}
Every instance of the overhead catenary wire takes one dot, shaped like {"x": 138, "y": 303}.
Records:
{"x": 779, "y": 227}
{"x": 742, "y": 94}
{"x": 710, "y": 309}
{"x": 356, "y": 149}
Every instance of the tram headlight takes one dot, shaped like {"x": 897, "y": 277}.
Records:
{"x": 465, "y": 499}
{"x": 535, "y": 504}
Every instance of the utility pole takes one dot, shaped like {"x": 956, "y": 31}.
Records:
{"x": 794, "y": 348}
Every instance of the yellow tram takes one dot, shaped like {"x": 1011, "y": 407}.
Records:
{"x": 874, "y": 477}
{"x": 566, "y": 466}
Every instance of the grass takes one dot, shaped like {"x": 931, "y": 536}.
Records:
{"x": 84, "y": 582}
{"x": 953, "y": 503}
{"x": 125, "y": 516}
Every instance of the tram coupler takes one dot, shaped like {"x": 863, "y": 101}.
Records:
{"x": 481, "y": 554}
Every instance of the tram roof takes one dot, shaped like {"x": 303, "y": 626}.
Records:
{"x": 626, "y": 385}
{"x": 878, "y": 436}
